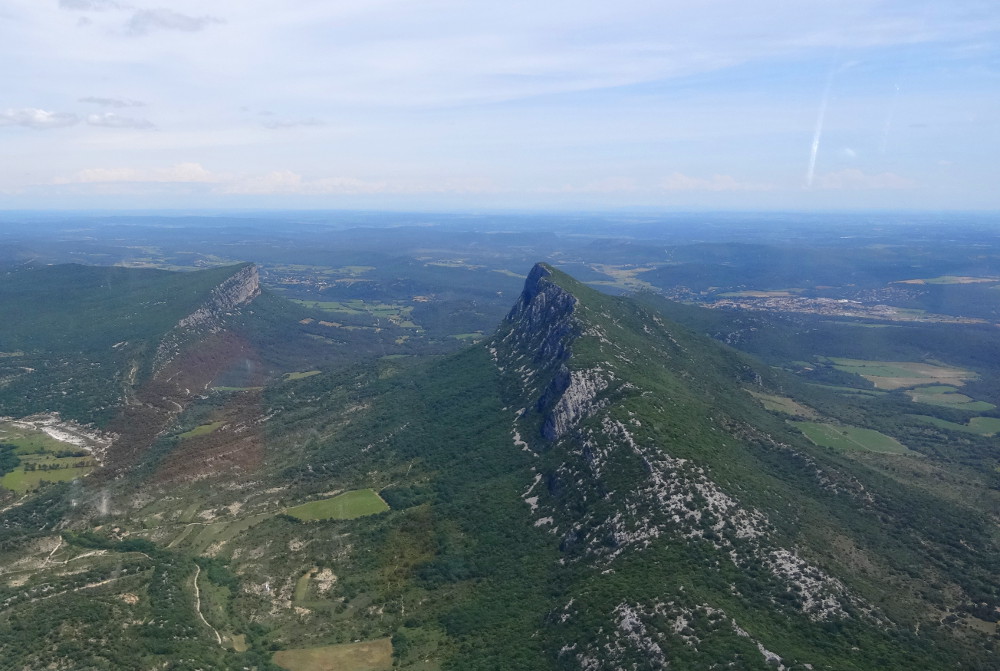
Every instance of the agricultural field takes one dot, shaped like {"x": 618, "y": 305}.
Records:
{"x": 784, "y": 405}
{"x": 202, "y": 430}
{"x": 948, "y": 397}
{"x": 393, "y": 312}
{"x": 980, "y": 426}
{"x": 299, "y": 375}
{"x": 346, "y": 506}
{"x": 42, "y": 459}
{"x": 890, "y": 375}
{"x": 850, "y": 438}
{"x": 364, "y": 656}
{"x": 623, "y": 277}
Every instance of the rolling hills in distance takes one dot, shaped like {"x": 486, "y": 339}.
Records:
{"x": 340, "y": 462}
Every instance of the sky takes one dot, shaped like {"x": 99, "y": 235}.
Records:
{"x": 440, "y": 104}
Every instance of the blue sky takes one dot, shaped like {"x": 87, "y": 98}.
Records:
{"x": 449, "y": 105}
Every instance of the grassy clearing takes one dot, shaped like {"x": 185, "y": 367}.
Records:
{"x": 623, "y": 277}
{"x": 851, "y": 438}
{"x": 948, "y": 397}
{"x": 980, "y": 426}
{"x": 360, "y": 307}
{"x": 30, "y": 441}
{"x": 467, "y": 336}
{"x": 902, "y": 374}
{"x": 784, "y": 404}
{"x": 38, "y": 452}
{"x": 298, "y": 375}
{"x": 346, "y": 506}
{"x": 850, "y": 391}
{"x": 302, "y": 586}
{"x": 22, "y": 481}
{"x": 365, "y": 656}
{"x": 201, "y": 430}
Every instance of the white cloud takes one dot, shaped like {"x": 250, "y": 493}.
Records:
{"x": 288, "y": 182}
{"x": 112, "y": 102}
{"x": 681, "y": 182}
{"x": 39, "y": 119}
{"x": 608, "y": 185}
{"x": 147, "y": 20}
{"x": 88, "y": 5}
{"x": 854, "y": 179}
{"x": 112, "y": 120}
{"x": 278, "y": 124}
{"x": 183, "y": 173}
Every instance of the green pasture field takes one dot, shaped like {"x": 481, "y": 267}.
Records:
{"x": 358, "y": 307}
{"x": 202, "y": 430}
{"x": 22, "y": 481}
{"x": 37, "y": 448}
{"x": 902, "y": 374}
{"x": 948, "y": 397}
{"x": 783, "y": 404}
{"x": 849, "y": 390}
{"x": 843, "y": 437}
{"x": 298, "y": 375}
{"x": 346, "y": 506}
{"x": 30, "y": 441}
{"x": 364, "y": 656}
{"x": 981, "y": 426}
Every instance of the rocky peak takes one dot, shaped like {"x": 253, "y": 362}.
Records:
{"x": 542, "y": 320}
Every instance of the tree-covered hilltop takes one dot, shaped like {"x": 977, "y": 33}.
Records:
{"x": 79, "y": 339}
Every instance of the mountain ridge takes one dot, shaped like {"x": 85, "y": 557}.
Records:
{"x": 592, "y": 487}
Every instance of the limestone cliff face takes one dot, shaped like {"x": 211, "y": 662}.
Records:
{"x": 239, "y": 289}
{"x": 544, "y": 323}
{"x": 542, "y": 320}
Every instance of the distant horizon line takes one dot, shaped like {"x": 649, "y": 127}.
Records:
{"x": 512, "y": 211}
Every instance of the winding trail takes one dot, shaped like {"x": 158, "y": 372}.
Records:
{"x": 197, "y": 604}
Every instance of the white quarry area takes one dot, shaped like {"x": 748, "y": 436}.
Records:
{"x": 66, "y": 431}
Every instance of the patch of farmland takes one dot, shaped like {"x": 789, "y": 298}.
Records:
{"x": 43, "y": 457}
{"x": 346, "y": 506}
{"x": 903, "y": 374}
{"x": 201, "y": 430}
{"x": 298, "y": 375}
{"x": 784, "y": 405}
{"x": 948, "y": 397}
{"x": 981, "y": 426}
{"x": 850, "y": 438}
{"x": 364, "y": 656}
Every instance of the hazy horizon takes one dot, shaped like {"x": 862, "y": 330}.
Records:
{"x": 458, "y": 106}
